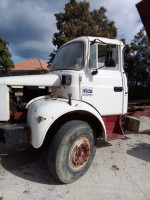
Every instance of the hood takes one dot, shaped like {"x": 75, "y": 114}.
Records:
{"x": 32, "y": 80}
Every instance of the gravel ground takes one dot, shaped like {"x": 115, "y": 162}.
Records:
{"x": 120, "y": 170}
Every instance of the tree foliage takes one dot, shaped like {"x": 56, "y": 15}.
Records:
{"x": 5, "y": 56}
{"x": 105, "y": 27}
{"x": 77, "y": 20}
{"x": 137, "y": 58}
{"x": 137, "y": 64}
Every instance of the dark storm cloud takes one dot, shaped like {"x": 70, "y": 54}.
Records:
{"x": 28, "y": 25}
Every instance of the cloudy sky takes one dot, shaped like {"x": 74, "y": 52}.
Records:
{"x": 28, "y": 25}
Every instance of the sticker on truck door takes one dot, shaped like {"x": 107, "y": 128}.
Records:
{"x": 87, "y": 91}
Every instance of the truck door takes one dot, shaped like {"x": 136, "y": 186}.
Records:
{"x": 104, "y": 89}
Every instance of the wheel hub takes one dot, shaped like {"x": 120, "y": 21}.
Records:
{"x": 79, "y": 153}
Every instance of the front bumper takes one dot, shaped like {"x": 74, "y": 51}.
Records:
{"x": 13, "y": 134}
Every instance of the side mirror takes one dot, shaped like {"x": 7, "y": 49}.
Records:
{"x": 94, "y": 72}
{"x": 110, "y": 56}
{"x": 110, "y": 63}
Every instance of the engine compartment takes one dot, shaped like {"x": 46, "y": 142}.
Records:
{"x": 18, "y": 99}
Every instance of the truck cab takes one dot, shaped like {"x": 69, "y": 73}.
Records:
{"x": 95, "y": 66}
{"x": 86, "y": 97}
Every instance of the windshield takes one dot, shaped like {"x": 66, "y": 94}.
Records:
{"x": 70, "y": 56}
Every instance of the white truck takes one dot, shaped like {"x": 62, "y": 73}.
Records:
{"x": 85, "y": 96}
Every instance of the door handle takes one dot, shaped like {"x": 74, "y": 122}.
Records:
{"x": 118, "y": 89}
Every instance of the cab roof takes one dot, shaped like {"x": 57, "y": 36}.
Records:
{"x": 97, "y": 39}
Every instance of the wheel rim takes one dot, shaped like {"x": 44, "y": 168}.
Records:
{"x": 79, "y": 153}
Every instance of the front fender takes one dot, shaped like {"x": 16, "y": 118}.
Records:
{"x": 42, "y": 113}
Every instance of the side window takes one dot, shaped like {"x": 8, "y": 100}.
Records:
{"x": 104, "y": 57}
{"x": 108, "y": 57}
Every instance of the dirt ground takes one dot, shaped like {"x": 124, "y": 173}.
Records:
{"x": 120, "y": 170}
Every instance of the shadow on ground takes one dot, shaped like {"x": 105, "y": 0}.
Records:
{"x": 141, "y": 151}
{"x": 102, "y": 143}
{"x": 31, "y": 164}
{"x": 27, "y": 163}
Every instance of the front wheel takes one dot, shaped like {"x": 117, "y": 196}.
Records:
{"x": 71, "y": 151}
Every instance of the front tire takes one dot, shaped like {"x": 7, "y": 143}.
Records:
{"x": 71, "y": 151}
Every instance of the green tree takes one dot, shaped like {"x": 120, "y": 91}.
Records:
{"x": 5, "y": 56}
{"x": 105, "y": 27}
{"x": 77, "y": 20}
{"x": 137, "y": 64}
{"x": 137, "y": 58}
